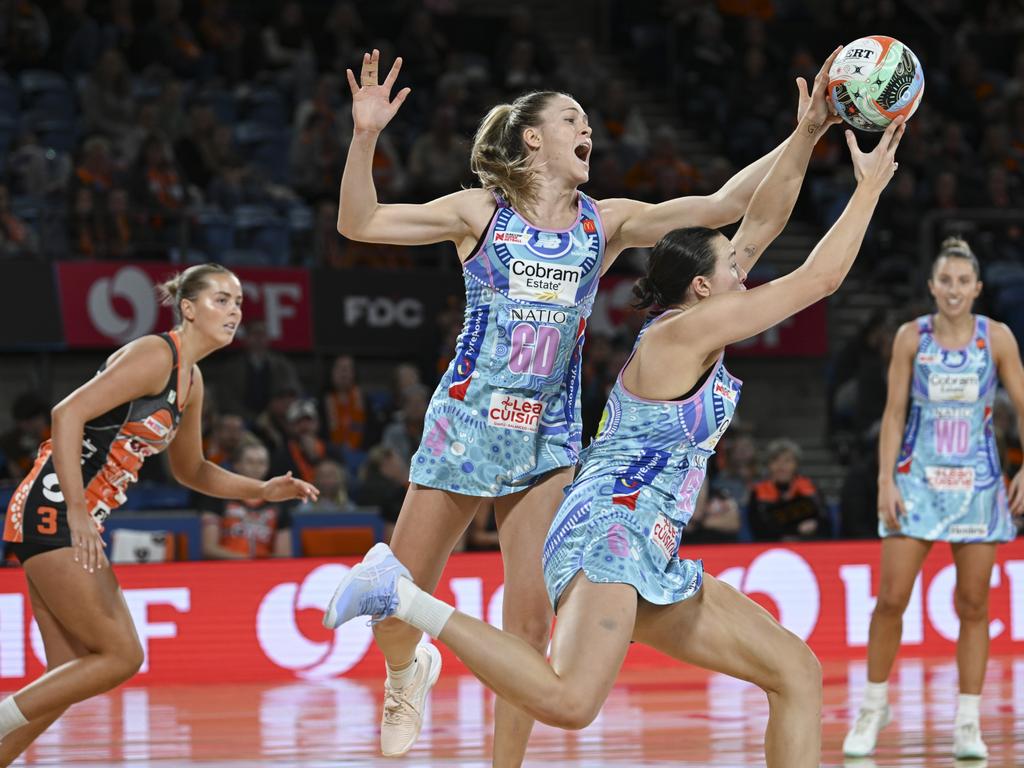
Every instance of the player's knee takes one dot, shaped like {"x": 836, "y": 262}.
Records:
{"x": 891, "y": 604}
{"x": 535, "y": 630}
{"x": 970, "y": 606}
{"x": 131, "y": 659}
{"x": 797, "y": 673}
{"x": 572, "y": 711}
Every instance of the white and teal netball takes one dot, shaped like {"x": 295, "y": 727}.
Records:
{"x": 874, "y": 80}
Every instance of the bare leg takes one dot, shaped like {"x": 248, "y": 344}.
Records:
{"x": 901, "y": 562}
{"x": 91, "y": 609}
{"x": 523, "y": 523}
{"x": 595, "y": 623}
{"x": 973, "y": 571}
{"x": 428, "y": 528}
{"x": 723, "y": 630}
{"x": 61, "y": 647}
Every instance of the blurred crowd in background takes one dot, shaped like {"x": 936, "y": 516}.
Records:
{"x": 216, "y": 130}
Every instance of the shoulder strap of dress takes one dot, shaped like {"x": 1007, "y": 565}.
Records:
{"x": 924, "y": 324}
{"x": 174, "y": 348}
{"x": 983, "y": 327}
{"x": 500, "y": 199}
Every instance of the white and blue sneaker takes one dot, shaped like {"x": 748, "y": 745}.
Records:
{"x": 369, "y": 589}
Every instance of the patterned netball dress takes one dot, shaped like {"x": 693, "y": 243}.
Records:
{"x": 507, "y": 409}
{"x": 622, "y": 519}
{"x": 948, "y": 471}
{"x": 114, "y": 445}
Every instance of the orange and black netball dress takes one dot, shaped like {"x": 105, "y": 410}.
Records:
{"x": 114, "y": 445}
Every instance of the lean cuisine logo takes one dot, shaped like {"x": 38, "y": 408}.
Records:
{"x": 286, "y": 645}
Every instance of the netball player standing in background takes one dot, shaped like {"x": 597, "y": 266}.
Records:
{"x": 146, "y": 398}
{"x": 504, "y": 422}
{"x": 943, "y": 484}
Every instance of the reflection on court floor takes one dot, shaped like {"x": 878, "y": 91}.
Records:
{"x": 657, "y": 717}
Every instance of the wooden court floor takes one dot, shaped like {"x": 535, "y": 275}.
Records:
{"x": 656, "y": 717}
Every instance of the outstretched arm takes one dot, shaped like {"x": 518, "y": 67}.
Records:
{"x": 773, "y": 202}
{"x": 632, "y": 223}
{"x": 729, "y": 317}
{"x": 360, "y": 215}
{"x": 195, "y": 471}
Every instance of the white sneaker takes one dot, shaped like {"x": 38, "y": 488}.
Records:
{"x": 860, "y": 741}
{"x": 967, "y": 743}
{"x": 403, "y": 707}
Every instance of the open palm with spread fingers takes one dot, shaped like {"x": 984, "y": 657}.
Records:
{"x": 878, "y": 165}
{"x": 372, "y": 105}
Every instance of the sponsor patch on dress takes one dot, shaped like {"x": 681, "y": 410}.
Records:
{"x": 549, "y": 283}
{"x": 950, "y": 478}
{"x": 962, "y": 387}
{"x": 511, "y": 412}
{"x": 969, "y": 531}
{"x": 665, "y": 535}
{"x": 154, "y": 425}
{"x": 727, "y": 392}
{"x": 516, "y": 238}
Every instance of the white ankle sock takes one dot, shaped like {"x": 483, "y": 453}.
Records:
{"x": 421, "y": 610}
{"x": 10, "y": 716}
{"x": 876, "y": 695}
{"x": 967, "y": 708}
{"x": 399, "y": 678}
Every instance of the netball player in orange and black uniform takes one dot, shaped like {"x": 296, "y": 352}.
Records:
{"x": 147, "y": 397}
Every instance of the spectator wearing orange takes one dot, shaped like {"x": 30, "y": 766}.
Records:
{"x": 303, "y": 450}
{"x": 249, "y": 528}
{"x": 344, "y": 406}
{"x": 786, "y": 506}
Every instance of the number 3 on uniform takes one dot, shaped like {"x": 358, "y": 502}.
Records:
{"x": 48, "y": 525}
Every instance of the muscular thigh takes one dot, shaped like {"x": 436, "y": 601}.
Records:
{"x": 592, "y": 634}
{"x": 89, "y": 607}
{"x": 59, "y": 644}
{"x": 523, "y": 523}
{"x": 428, "y": 528}
{"x": 719, "y": 629}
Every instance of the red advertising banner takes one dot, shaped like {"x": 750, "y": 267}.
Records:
{"x": 106, "y": 304}
{"x": 803, "y": 335}
{"x": 260, "y": 621}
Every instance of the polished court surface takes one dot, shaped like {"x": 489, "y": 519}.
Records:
{"x": 655, "y": 717}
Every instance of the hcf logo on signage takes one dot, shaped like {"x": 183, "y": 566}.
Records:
{"x": 286, "y": 645}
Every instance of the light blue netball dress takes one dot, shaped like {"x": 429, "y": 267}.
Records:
{"x": 507, "y": 409}
{"x": 948, "y": 471}
{"x": 622, "y": 519}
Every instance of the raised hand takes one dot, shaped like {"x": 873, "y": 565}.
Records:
{"x": 815, "y": 105}
{"x": 285, "y": 488}
{"x": 877, "y": 167}
{"x": 372, "y": 105}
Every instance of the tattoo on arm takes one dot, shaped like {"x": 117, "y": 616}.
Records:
{"x": 749, "y": 251}
{"x": 812, "y": 129}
